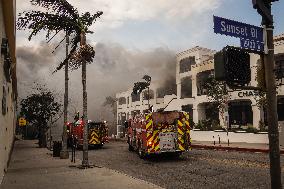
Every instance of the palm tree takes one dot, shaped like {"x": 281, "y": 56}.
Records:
{"x": 142, "y": 85}
{"x": 62, "y": 16}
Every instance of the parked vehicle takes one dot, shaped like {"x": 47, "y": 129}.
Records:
{"x": 159, "y": 132}
{"x": 97, "y": 133}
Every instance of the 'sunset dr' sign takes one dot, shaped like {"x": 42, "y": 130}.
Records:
{"x": 237, "y": 29}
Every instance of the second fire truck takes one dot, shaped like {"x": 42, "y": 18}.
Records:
{"x": 97, "y": 133}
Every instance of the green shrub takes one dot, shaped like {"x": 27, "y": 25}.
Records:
{"x": 251, "y": 129}
{"x": 216, "y": 125}
{"x": 262, "y": 127}
{"x": 199, "y": 125}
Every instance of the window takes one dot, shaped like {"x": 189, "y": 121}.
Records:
{"x": 202, "y": 79}
{"x": 240, "y": 113}
{"x": 135, "y": 97}
{"x": 280, "y": 109}
{"x": 185, "y": 64}
{"x": 146, "y": 96}
{"x": 279, "y": 66}
{"x": 186, "y": 87}
{"x": 122, "y": 100}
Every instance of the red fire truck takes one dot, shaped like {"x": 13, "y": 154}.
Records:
{"x": 159, "y": 132}
{"x": 97, "y": 131}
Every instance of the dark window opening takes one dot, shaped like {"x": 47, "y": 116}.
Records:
{"x": 147, "y": 96}
{"x": 122, "y": 100}
{"x": 201, "y": 80}
{"x": 240, "y": 113}
{"x": 135, "y": 97}
{"x": 279, "y": 66}
{"x": 212, "y": 112}
{"x": 280, "y": 109}
{"x": 134, "y": 113}
{"x": 185, "y": 64}
{"x": 186, "y": 87}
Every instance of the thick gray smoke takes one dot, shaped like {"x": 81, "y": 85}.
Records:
{"x": 115, "y": 69}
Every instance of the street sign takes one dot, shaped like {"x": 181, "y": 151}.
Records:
{"x": 237, "y": 29}
{"x": 22, "y": 121}
{"x": 252, "y": 45}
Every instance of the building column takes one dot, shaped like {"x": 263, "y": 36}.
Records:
{"x": 118, "y": 124}
{"x": 194, "y": 85}
{"x": 257, "y": 115}
{"x": 198, "y": 113}
{"x": 178, "y": 90}
{"x": 222, "y": 119}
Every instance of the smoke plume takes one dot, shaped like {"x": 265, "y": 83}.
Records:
{"x": 115, "y": 69}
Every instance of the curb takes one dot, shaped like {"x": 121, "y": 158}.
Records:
{"x": 240, "y": 149}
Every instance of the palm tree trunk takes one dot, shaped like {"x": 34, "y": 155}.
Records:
{"x": 85, "y": 162}
{"x": 64, "y": 153}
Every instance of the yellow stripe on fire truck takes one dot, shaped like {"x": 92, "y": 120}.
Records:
{"x": 153, "y": 137}
{"x": 181, "y": 133}
{"x": 94, "y": 138}
{"x": 149, "y": 121}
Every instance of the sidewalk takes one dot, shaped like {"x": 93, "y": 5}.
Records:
{"x": 244, "y": 147}
{"x": 35, "y": 168}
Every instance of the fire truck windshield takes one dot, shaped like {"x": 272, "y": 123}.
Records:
{"x": 165, "y": 117}
{"x": 94, "y": 125}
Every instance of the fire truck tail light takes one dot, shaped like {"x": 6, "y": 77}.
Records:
{"x": 149, "y": 143}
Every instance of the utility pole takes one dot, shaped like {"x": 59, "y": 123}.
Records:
{"x": 264, "y": 9}
{"x": 64, "y": 154}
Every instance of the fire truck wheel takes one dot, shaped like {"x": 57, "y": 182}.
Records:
{"x": 141, "y": 153}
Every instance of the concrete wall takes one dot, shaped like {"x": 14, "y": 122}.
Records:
{"x": 7, "y": 121}
{"x": 233, "y": 137}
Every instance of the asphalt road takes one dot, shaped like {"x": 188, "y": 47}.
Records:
{"x": 194, "y": 169}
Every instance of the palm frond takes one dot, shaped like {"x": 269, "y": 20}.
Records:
{"x": 37, "y": 21}
{"x": 60, "y": 7}
{"x": 87, "y": 19}
{"x": 72, "y": 51}
{"x": 64, "y": 17}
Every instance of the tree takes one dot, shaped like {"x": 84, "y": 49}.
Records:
{"x": 218, "y": 93}
{"x": 38, "y": 108}
{"x": 62, "y": 16}
{"x": 112, "y": 103}
{"x": 142, "y": 85}
{"x": 260, "y": 98}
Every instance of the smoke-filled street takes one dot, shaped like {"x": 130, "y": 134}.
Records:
{"x": 195, "y": 169}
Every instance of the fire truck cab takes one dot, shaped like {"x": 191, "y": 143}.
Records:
{"x": 159, "y": 132}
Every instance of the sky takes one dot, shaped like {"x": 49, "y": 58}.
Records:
{"x": 132, "y": 38}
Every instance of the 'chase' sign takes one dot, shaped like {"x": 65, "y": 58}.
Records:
{"x": 247, "y": 93}
{"x": 237, "y": 29}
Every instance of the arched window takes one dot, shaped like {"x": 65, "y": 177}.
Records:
{"x": 122, "y": 100}
{"x": 135, "y": 97}
{"x": 147, "y": 96}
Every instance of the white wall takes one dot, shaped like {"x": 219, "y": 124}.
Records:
{"x": 7, "y": 121}
{"x": 233, "y": 137}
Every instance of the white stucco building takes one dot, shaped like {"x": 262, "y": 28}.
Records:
{"x": 193, "y": 67}
{"x": 8, "y": 82}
